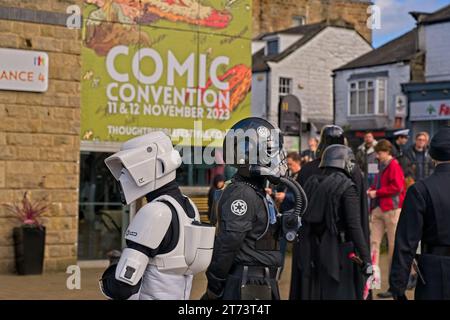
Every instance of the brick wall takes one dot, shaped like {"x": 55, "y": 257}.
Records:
{"x": 273, "y": 15}
{"x": 39, "y": 135}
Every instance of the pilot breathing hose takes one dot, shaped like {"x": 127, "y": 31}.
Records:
{"x": 291, "y": 220}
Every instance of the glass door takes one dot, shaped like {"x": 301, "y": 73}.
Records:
{"x": 101, "y": 214}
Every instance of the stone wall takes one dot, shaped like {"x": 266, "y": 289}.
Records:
{"x": 273, "y": 15}
{"x": 39, "y": 132}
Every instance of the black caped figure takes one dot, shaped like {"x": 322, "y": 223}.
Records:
{"x": 330, "y": 135}
{"x": 333, "y": 251}
{"x": 246, "y": 258}
{"x": 425, "y": 217}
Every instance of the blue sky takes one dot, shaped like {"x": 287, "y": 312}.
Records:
{"x": 395, "y": 19}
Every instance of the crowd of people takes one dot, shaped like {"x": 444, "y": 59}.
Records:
{"x": 366, "y": 198}
{"x": 333, "y": 206}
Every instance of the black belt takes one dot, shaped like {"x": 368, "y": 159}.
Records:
{"x": 436, "y": 250}
{"x": 256, "y": 271}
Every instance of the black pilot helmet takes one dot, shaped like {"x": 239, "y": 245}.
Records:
{"x": 255, "y": 147}
{"x": 330, "y": 134}
{"x": 340, "y": 157}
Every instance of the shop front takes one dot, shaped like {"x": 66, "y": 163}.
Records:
{"x": 429, "y": 106}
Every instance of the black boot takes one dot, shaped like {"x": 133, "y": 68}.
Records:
{"x": 384, "y": 295}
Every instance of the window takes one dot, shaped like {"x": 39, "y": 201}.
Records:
{"x": 298, "y": 21}
{"x": 381, "y": 96}
{"x": 285, "y": 87}
{"x": 272, "y": 47}
{"x": 367, "y": 97}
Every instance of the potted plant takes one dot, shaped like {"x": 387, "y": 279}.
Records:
{"x": 29, "y": 238}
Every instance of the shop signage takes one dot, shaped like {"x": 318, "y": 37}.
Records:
{"x": 430, "y": 110}
{"x": 23, "y": 70}
{"x": 165, "y": 65}
{"x": 400, "y": 106}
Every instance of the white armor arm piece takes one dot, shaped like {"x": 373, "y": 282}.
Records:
{"x": 148, "y": 229}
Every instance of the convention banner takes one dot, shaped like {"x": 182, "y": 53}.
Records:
{"x": 181, "y": 66}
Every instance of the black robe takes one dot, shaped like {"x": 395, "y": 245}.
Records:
{"x": 425, "y": 217}
{"x": 311, "y": 169}
{"x": 331, "y": 231}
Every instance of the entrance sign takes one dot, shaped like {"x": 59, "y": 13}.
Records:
{"x": 23, "y": 70}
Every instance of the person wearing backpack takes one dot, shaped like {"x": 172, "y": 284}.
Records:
{"x": 331, "y": 134}
{"x": 332, "y": 245}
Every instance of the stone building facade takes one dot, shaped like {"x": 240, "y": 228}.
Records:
{"x": 303, "y": 67}
{"x": 274, "y": 15}
{"x": 39, "y": 132}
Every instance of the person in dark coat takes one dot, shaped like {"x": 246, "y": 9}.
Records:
{"x": 311, "y": 153}
{"x": 330, "y": 134}
{"x": 425, "y": 217}
{"x": 420, "y": 165}
{"x": 331, "y": 232}
{"x": 218, "y": 184}
{"x": 399, "y": 147}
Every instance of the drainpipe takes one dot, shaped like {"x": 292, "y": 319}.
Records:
{"x": 334, "y": 97}
{"x": 268, "y": 95}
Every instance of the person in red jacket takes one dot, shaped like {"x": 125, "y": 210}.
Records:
{"x": 387, "y": 195}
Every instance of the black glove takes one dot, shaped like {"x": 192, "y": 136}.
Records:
{"x": 209, "y": 295}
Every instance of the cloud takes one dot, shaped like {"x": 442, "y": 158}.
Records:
{"x": 395, "y": 19}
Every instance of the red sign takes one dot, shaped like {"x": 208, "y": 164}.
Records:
{"x": 444, "y": 110}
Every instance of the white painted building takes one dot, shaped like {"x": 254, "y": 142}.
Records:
{"x": 368, "y": 90}
{"x": 300, "y": 61}
{"x": 404, "y": 83}
{"x": 434, "y": 40}
{"x": 429, "y": 100}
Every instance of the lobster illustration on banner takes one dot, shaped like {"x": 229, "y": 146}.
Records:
{"x": 188, "y": 11}
{"x": 239, "y": 80}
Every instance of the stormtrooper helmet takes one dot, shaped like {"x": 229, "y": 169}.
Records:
{"x": 144, "y": 164}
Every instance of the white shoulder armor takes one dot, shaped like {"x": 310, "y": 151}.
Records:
{"x": 147, "y": 229}
{"x": 150, "y": 225}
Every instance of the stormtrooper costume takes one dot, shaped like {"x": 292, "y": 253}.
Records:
{"x": 166, "y": 243}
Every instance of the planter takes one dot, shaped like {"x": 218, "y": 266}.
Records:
{"x": 29, "y": 244}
